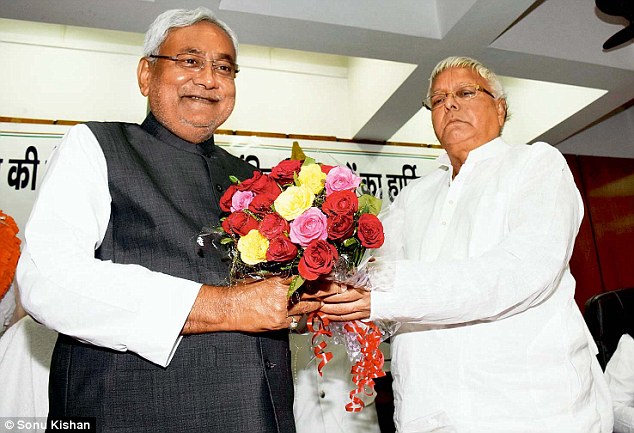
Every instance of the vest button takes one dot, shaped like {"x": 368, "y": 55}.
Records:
{"x": 268, "y": 364}
{"x": 322, "y": 394}
{"x": 218, "y": 187}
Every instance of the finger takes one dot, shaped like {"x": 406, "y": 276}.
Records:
{"x": 304, "y": 307}
{"x": 346, "y": 317}
{"x": 347, "y": 296}
{"x": 346, "y": 308}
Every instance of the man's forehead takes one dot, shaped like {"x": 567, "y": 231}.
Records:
{"x": 200, "y": 38}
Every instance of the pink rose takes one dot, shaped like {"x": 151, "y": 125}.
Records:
{"x": 241, "y": 200}
{"x": 310, "y": 225}
{"x": 341, "y": 178}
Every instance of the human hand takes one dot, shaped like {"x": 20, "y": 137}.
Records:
{"x": 351, "y": 304}
{"x": 255, "y": 306}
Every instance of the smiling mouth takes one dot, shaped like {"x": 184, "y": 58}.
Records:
{"x": 202, "y": 99}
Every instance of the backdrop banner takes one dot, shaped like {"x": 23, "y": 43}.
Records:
{"x": 25, "y": 150}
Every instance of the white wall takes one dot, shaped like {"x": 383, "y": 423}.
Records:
{"x": 68, "y": 73}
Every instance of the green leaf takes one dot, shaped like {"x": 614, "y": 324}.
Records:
{"x": 308, "y": 161}
{"x": 349, "y": 242}
{"x": 296, "y": 283}
{"x": 369, "y": 204}
{"x": 297, "y": 154}
{"x": 234, "y": 179}
{"x": 225, "y": 241}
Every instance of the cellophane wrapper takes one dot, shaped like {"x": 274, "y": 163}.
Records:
{"x": 356, "y": 276}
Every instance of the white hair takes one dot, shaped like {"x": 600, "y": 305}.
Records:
{"x": 467, "y": 62}
{"x": 173, "y": 18}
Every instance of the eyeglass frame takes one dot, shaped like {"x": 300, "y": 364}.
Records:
{"x": 214, "y": 66}
{"x": 478, "y": 88}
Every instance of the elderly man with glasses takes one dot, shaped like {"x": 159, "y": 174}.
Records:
{"x": 150, "y": 339}
{"x": 475, "y": 267}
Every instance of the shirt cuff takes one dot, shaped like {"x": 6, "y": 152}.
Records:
{"x": 156, "y": 333}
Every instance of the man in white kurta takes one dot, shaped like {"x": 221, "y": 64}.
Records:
{"x": 475, "y": 267}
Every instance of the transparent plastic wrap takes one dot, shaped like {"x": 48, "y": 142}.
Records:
{"x": 347, "y": 273}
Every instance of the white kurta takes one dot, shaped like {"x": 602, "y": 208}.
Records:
{"x": 63, "y": 286}
{"x": 320, "y": 400}
{"x": 25, "y": 359}
{"x": 477, "y": 269}
{"x": 619, "y": 374}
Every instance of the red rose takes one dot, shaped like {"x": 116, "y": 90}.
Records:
{"x": 284, "y": 171}
{"x": 326, "y": 168}
{"x": 273, "y": 225}
{"x": 370, "y": 231}
{"x": 225, "y": 200}
{"x": 260, "y": 183}
{"x": 340, "y": 226}
{"x": 281, "y": 249}
{"x": 262, "y": 204}
{"x": 341, "y": 202}
{"x": 318, "y": 259}
{"x": 240, "y": 223}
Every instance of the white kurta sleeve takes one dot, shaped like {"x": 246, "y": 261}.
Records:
{"x": 62, "y": 285}
{"x": 544, "y": 213}
{"x": 619, "y": 374}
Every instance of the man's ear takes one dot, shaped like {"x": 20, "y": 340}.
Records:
{"x": 501, "y": 111}
{"x": 143, "y": 74}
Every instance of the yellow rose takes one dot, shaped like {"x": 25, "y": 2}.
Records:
{"x": 253, "y": 247}
{"x": 293, "y": 201}
{"x": 312, "y": 176}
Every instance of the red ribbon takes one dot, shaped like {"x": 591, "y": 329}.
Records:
{"x": 364, "y": 371}
{"x": 318, "y": 325}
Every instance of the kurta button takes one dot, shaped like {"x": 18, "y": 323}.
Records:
{"x": 268, "y": 364}
{"x": 218, "y": 187}
{"x": 322, "y": 394}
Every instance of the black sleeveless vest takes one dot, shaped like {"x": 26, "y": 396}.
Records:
{"x": 164, "y": 191}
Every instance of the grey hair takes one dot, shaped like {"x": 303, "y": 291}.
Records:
{"x": 467, "y": 62}
{"x": 173, "y": 18}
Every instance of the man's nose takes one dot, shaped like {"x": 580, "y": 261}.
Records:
{"x": 451, "y": 101}
{"x": 206, "y": 77}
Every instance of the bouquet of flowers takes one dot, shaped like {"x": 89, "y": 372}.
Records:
{"x": 306, "y": 220}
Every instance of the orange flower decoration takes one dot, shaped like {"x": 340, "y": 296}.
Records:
{"x": 9, "y": 251}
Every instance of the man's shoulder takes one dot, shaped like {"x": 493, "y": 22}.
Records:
{"x": 110, "y": 126}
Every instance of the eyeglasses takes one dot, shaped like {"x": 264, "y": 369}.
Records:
{"x": 464, "y": 93}
{"x": 195, "y": 63}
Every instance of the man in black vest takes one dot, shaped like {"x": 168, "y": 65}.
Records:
{"x": 151, "y": 339}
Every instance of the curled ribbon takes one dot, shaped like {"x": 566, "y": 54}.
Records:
{"x": 370, "y": 363}
{"x": 318, "y": 325}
